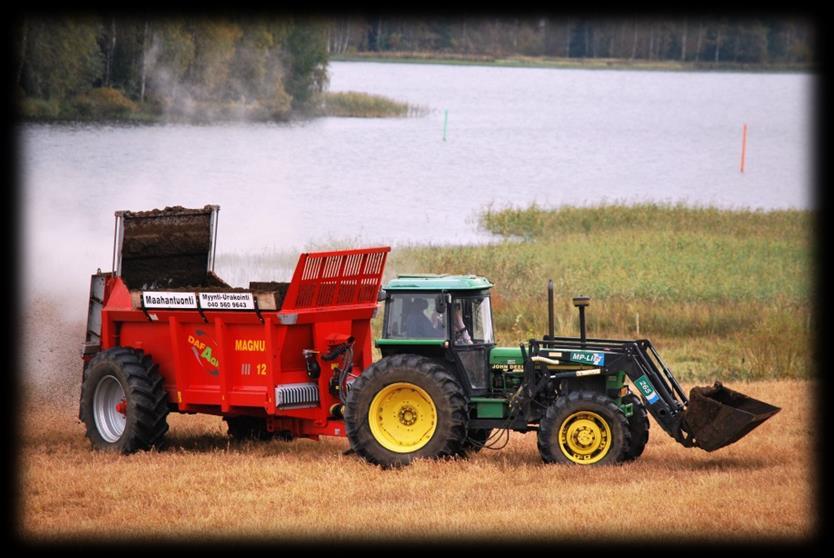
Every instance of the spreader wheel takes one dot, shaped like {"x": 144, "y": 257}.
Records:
{"x": 638, "y": 424}
{"x": 403, "y": 407}
{"x": 585, "y": 428}
{"x": 124, "y": 404}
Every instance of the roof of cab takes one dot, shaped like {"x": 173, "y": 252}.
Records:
{"x": 432, "y": 282}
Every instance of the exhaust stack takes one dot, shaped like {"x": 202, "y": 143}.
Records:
{"x": 581, "y": 302}
{"x": 550, "y": 321}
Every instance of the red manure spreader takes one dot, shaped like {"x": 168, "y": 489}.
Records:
{"x": 166, "y": 334}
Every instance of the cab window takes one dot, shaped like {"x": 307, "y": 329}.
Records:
{"x": 415, "y": 316}
{"x": 472, "y": 321}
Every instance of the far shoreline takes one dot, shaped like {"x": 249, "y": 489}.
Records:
{"x": 338, "y": 104}
{"x": 452, "y": 59}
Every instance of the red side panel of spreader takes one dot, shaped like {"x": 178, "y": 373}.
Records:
{"x": 234, "y": 362}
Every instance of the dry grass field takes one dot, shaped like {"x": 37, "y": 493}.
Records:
{"x": 202, "y": 488}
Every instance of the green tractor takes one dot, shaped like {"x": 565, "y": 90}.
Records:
{"x": 443, "y": 389}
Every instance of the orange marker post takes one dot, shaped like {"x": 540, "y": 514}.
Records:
{"x": 743, "y": 145}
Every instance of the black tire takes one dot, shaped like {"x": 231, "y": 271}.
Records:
{"x": 609, "y": 449}
{"x": 131, "y": 380}
{"x": 638, "y": 424}
{"x": 245, "y": 428}
{"x": 447, "y": 397}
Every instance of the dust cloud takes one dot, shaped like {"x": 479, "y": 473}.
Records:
{"x": 50, "y": 352}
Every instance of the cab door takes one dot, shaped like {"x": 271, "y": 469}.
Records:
{"x": 472, "y": 339}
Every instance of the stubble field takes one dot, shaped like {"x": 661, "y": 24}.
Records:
{"x": 202, "y": 487}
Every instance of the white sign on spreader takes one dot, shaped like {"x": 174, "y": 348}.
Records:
{"x": 227, "y": 301}
{"x": 167, "y": 299}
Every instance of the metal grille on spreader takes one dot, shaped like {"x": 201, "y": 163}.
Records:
{"x": 295, "y": 396}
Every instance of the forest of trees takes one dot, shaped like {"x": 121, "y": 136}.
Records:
{"x": 757, "y": 41}
{"x": 174, "y": 65}
{"x": 272, "y": 67}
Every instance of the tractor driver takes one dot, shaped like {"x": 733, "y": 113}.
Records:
{"x": 461, "y": 334}
{"x": 418, "y": 325}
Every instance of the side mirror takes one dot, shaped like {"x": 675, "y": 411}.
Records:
{"x": 381, "y": 296}
{"x": 440, "y": 304}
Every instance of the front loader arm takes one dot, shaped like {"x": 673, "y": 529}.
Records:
{"x": 656, "y": 386}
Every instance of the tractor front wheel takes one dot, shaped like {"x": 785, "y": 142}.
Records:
{"x": 124, "y": 404}
{"x": 585, "y": 428}
{"x": 403, "y": 407}
{"x": 638, "y": 424}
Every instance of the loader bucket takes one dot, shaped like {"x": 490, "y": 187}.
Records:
{"x": 718, "y": 416}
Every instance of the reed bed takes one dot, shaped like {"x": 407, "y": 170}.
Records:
{"x": 366, "y": 105}
{"x": 722, "y": 292}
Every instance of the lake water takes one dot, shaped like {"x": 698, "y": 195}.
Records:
{"x": 514, "y": 136}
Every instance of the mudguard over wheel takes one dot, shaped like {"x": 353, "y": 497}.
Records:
{"x": 124, "y": 404}
{"x": 403, "y": 407}
{"x": 586, "y": 428}
{"x": 638, "y": 424}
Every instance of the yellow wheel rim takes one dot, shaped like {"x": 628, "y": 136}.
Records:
{"x": 402, "y": 417}
{"x": 585, "y": 437}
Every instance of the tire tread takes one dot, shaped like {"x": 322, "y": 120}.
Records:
{"x": 144, "y": 388}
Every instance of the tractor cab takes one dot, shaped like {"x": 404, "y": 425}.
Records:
{"x": 441, "y": 316}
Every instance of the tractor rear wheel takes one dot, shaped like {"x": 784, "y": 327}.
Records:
{"x": 638, "y": 424}
{"x": 403, "y": 407}
{"x": 124, "y": 404}
{"x": 586, "y": 428}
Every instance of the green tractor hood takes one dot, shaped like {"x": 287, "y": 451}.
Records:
{"x": 504, "y": 356}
